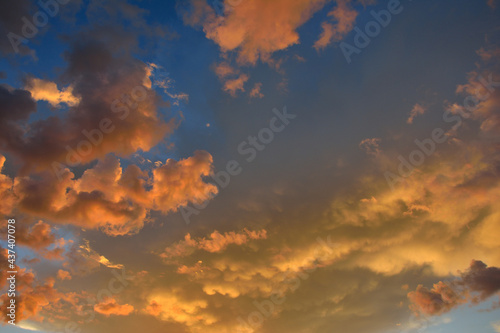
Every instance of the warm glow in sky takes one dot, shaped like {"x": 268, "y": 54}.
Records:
{"x": 250, "y": 166}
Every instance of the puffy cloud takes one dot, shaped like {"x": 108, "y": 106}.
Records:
{"x": 109, "y": 197}
{"x": 178, "y": 182}
{"x": 115, "y": 111}
{"x": 254, "y": 29}
{"x": 480, "y": 278}
{"x": 416, "y": 111}
{"x": 43, "y": 90}
{"x": 440, "y": 299}
{"x": 110, "y": 307}
{"x": 345, "y": 17}
{"x": 477, "y": 284}
{"x": 38, "y": 236}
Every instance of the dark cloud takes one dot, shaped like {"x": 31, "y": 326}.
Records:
{"x": 476, "y": 284}
{"x": 11, "y": 21}
{"x": 16, "y": 105}
{"x": 111, "y": 88}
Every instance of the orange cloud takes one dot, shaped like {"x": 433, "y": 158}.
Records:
{"x": 43, "y": 90}
{"x": 345, "y": 17}
{"x": 37, "y": 236}
{"x": 110, "y": 307}
{"x": 111, "y": 198}
{"x": 416, "y": 111}
{"x": 371, "y": 146}
{"x": 63, "y": 275}
{"x": 31, "y": 296}
{"x": 216, "y": 242}
{"x": 178, "y": 182}
{"x": 255, "y": 92}
{"x": 254, "y": 29}
{"x": 440, "y": 299}
{"x": 223, "y": 70}
{"x": 235, "y": 85}
{"x": 172, "y": 307}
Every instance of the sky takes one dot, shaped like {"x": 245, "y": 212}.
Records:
{"x": 250, "y": 166}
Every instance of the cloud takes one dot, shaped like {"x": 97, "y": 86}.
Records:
{"x": 38, "y": 236}
{"x": 233, "y": 81}
{"x": 169, "y": 306}
{"x": 255, "y": 92}
{"x": 11, "y": 22}
{"x": 416, "y": 111}
{"x": 109, "y": 197}
{"x": 110, "y": 307}
{"x": 7, "y": 198}
{"x": 43, "y": 90}
{"x": 371, "y": 146}
{"x": 110, "y": 91}
{"x": 158, "y": 77}
{"x": 216, "y": 242}
{"x": 477, "y": 284}
{"x": 345, "y": 17}
{"x": 31, "y": 295}
{"x": 253, "y": 29}
{"x": 63, "y": 275}
{"x": 483, "y": 89}
{"x": 489, "y": 54}
{"x": 440, "y": 299}
{"x": 223, "y": 70}
{"x": 235, "y": 85}
{"x": 176, "y": 183}
{"x": 89, "y": 254}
